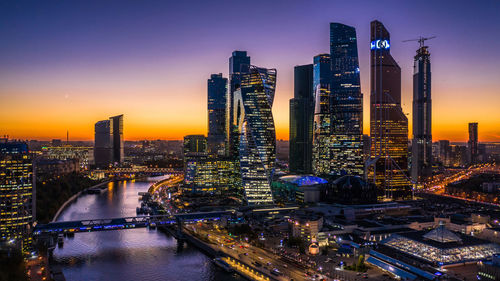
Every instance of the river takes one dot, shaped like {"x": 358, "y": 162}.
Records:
{"x": 133, "y": 254}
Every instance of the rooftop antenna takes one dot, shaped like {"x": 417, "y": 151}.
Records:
{"x": 421, "y": 40}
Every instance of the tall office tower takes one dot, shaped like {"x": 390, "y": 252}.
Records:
{"x": 421, "y": 148}
{"x": 301, "y": 121}
{"x": 238, "y": 64}
{"x": 257, "y": 137}
{"x": 388, "y": 165}
{"x": 444, "y": 152}
{"x": 17, "y": 199}
{"x": 346, "y": 103}
{"x": 103, "y": 144}
{"x": 117, "y": 138}
{"x": 322, "y": 75}
{"x": 217, "y": 97}
{"x": 195, "y": 145}
{"x": 473, "y": 143}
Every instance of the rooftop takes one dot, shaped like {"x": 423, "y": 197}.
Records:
{"x": 303, "y": 180}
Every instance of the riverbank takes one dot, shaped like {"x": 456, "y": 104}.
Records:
{"x": 74, "y": 197}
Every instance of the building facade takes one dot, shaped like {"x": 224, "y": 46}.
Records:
{"x": 211, "y": 175}
{"x": 257, "y": 137}
{"x": 238, "y": 64}
{"x": 346, "y": 102}
{"x": 322, "y": 141}
{"x": 117, "y": 138}
{"x": 301, "y": 121}
{"x": 17, "y": 196}
{"x": 473, "y": 144}
{"x": 217, "y": 103}
{"x": 388, "y": 166}
{"x": 421, "y": 153}
{"x": 103, "y": 154}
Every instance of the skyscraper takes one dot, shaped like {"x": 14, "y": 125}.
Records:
{"x": 103, "y": 154}
{"x": 18, "y": 197}
{"x": 238, "y": 64}
{"x": 421, "y": 148}
{"x": 322, "y": 140}
{"x": 257, "y": 137}
{"x": 117, "y": 138}
{"x": 217, "y": 103}
{"x": 473, "y": 144}
{"x": 346, "y": 102}
{"x": 301, "y": 120}
{"x": 388, "y": 124}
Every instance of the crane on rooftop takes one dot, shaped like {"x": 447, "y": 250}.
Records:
{"x": 421, "y": 40}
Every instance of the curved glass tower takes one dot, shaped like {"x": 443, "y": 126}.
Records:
{"x": 253, "y": 117}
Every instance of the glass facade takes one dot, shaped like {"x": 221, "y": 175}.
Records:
{"x": 346, "y": 103}
{"x": 103, "y": 144}
{"x": 301, "y": 121}
{"x": 388, "y": 165}
{"x": 257, "y": 137}
{"x": 117, "y": 137}
{"x": 473, "y": 144}
{"x": 17, "y": 194}
{"x": 211, "y": 175}
{"x": 421, "y": 148}
{"x": 322, "y": 127}
{"x": 238, "y": 64}
{"x": 217, "y": 96}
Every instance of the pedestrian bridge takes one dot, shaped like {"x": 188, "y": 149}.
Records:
{"x": 92, "y": 225}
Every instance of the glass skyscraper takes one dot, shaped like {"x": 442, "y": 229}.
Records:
{"x": 17, "y": 196}
{"x": 117, "y": 138}
{"x": 301, "y": 121}
{"x": 421, "y": 148}
{"x": 238, "y": 64}
{"x": 473, "y": 144}
{"x": 322, "y": 140}
{"x": 346, "y": 103}
{"x": 253, "y": 117}
{"x": 217, "y": 97}
{"x": 103, "y": 144}
{"x": 388, "y": 124}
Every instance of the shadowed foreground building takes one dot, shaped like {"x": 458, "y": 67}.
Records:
{"x": 257, "y": 137}
{"x": 388, "y": 166}
{"x": 301, "y": 120}
{"x": 17, "y": 196}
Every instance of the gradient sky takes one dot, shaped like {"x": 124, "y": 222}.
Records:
{"x": 66, "y": 64}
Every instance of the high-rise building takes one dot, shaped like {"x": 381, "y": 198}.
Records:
{"x": 473, "y": 143}
{"x": 301, "y": 121}
{"x": 257, "y": 137}
{"x": 217, "y": 103}
{"x": 421, "y": 148}
{"x": 195, "y": 145}
{"x": 117, "y": 138}
{"x": 388, "y": 165}
{"x": 103, "y": 144}
{"x": 346, "y": 103}
{"x": 211, "y": 175}
{"x": 17, "y": 198}
{"x": 322, "y": 140}
{"x": 238, "y": 64}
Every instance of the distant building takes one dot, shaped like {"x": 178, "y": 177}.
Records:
{"x": 195, "y": 145}
{"x": 257, "y": 137}
{"x": 211, "y": 175}
{"x": 217, "y": 104}
{"x": 473, "y": 144}
{"x": 421, "y": 163}
{"x": 49, "y": 168}
{"x": 322, "y": 139}
{"x": 388, "y": 166}
{"x": 346, "y": 103}
{"x": 306, "y": 226}
{"x": 352, "y": 190}
{"x": 301, "y": 120}
{"x": 103, "y": 154}
{"x": 299, "y": 189}
{"x": 116, "y": 123}
{"x": 17, "y": 199}
{"x": 85, "y": 155}
{"x": 238, "y": 64}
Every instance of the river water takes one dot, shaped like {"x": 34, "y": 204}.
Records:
{"x": 133, "y": 254}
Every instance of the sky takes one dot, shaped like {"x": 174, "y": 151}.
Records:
{"x": 65, "y": 65}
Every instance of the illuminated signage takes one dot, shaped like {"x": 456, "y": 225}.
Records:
{"x": 380, "y": 45}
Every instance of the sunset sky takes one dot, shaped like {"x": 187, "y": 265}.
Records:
{"x": 66, "y": 64}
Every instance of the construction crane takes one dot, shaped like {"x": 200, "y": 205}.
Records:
{"x": 421, "y": 40}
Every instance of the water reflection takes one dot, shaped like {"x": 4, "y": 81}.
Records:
{"x": 135, "y": 254}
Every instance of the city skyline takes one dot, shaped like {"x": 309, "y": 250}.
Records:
{"x": 139, "y": 62}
